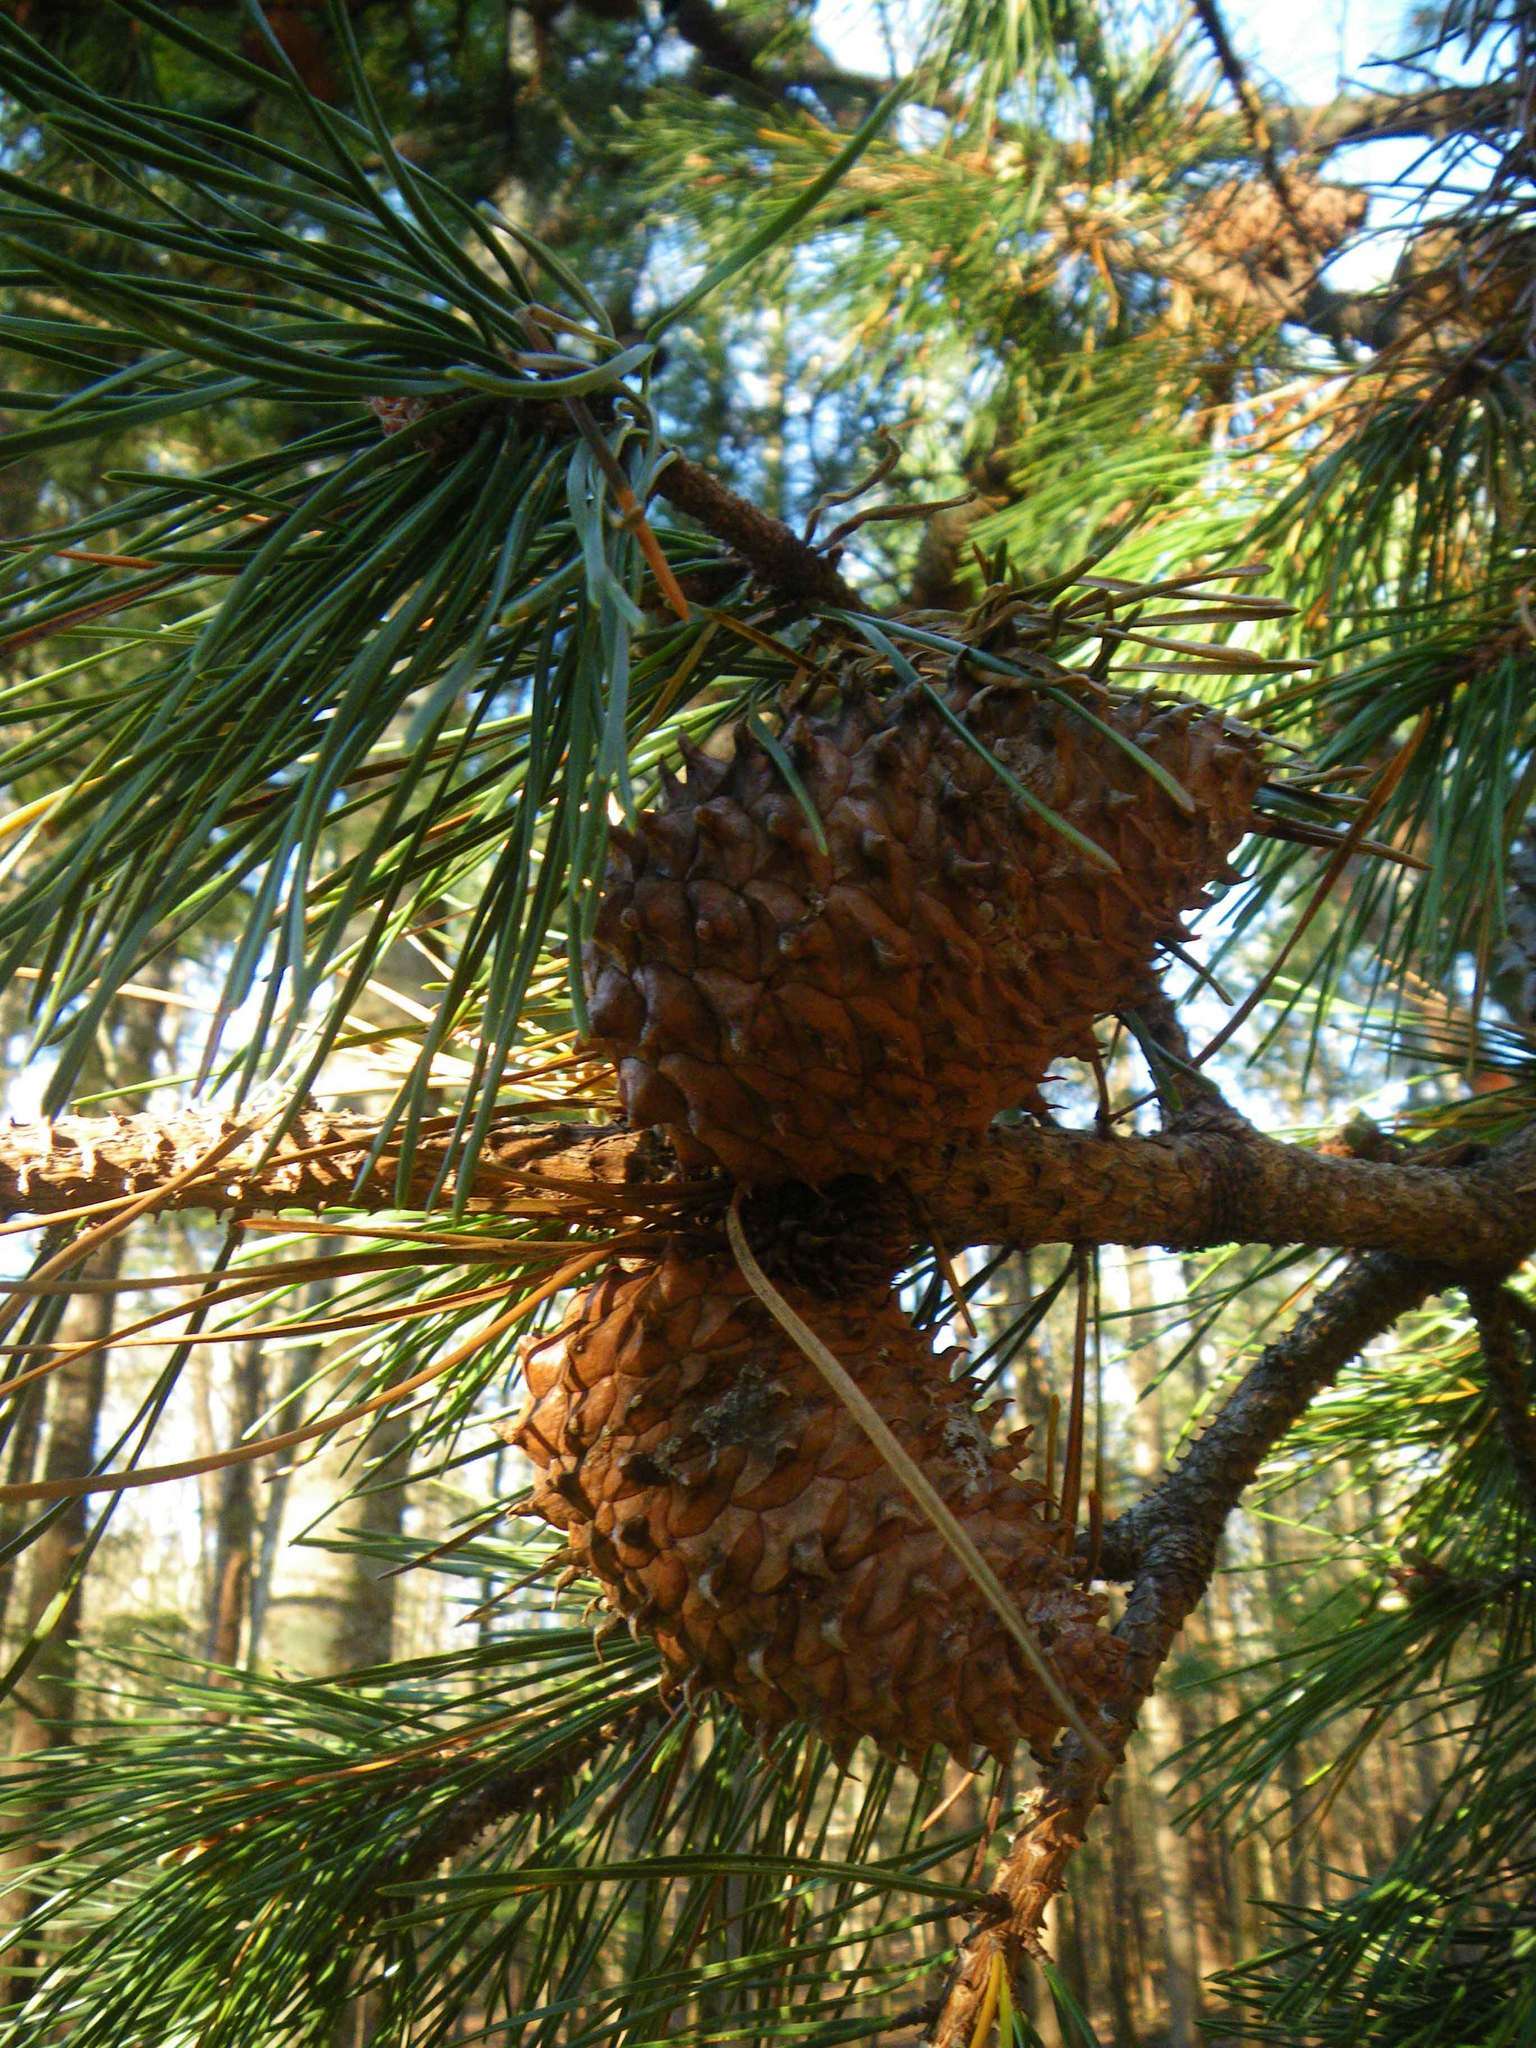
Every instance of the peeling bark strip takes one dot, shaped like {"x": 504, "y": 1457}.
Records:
{"x": 1183, "y": 1188}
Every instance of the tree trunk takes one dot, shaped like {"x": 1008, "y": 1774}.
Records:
{"x": 21, "y": 1419}
{"x": 1176, "y": 1876}
{"x": 365, "y": 1619}
{"x": 270, "y": 1535}
{"x": 1121, "y": 1950}
{"x": 42, "y": 1712}
{"x": 25, "y": 1417}
{"x": 1293, "y": 1766}
{"x": 235, "y": 1520}
{"x": 1160, "y": 1734}
{"x": 42, "y": 1707}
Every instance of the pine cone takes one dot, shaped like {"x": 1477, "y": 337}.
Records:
{"x": 734, "y": 1510}
{"x": 793, "y": 1014}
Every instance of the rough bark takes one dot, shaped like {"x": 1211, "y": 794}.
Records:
{"x": 1183, "y": 1188}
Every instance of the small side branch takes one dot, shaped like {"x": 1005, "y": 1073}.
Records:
{"x": 1209, "y": 16}
{"x": 1168, "y": 1546}
{"x": 508, "y": 1792}
{"x": 1197, "y": 1495}
{"x": 1190, "y": 1098}
{"x": 718, "y": 40}
{"x": 779, "y": 558}
{"x": 784, "y": 563}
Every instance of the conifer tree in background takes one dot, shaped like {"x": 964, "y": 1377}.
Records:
{"x": 431, "y": 428}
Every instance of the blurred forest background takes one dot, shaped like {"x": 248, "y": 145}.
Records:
{"x": 1106, "y": 286}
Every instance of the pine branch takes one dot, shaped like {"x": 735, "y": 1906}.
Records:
{"x": 1170, "y": 1540}
{"x": 1191, "y": 1099}
{"x": 1166, "y": 1547}
{"x": 1184, "y": 1188}
{"x": 734, "y": 50}
{"x": 777, "y": 555}
{"x": 1190, "y": 1505}
{"x": 1244, "y": 92}
{"x": 1439, "y": 115}
{"x": 725, "y": 48}
{"x": 508, "y": 1792}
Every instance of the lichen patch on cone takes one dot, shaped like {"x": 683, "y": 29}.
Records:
{"x": 789, "y": 1013}
{"x": 732, "y": 1509}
